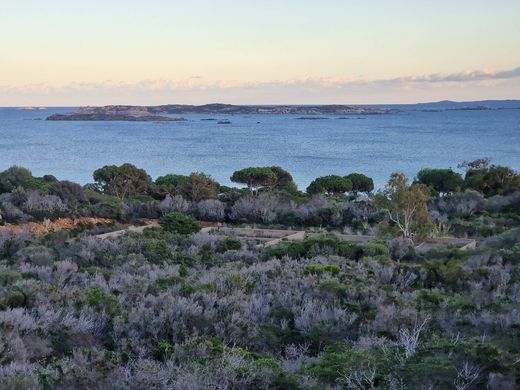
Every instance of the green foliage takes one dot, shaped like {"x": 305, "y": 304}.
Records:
{"x": 339, "y": 358}
{"x": 156, "y": 251}
{"x": 333, "y": 287}
{"x": 441, "y": 180}
{"x": 231, "y": 243}
{"x": 406, "y": 207}
{"x": 172, "y": 181}
{"x": 179, "y": 223}
{"x": 100, "y": 300}
{"x": 324, "y": 245}
{"x": 255, "y": 177}
{"x": 318, "y": 269}
{"x": 492, "y": 180}
{"x": 122, "y": 181}
{"x": 163, "y": 350}
{"x": 332, "y": 185}
{"x": 15, "y": 297}
{"x": 15, "y": 177}
{"x": 360, "y": 183}
{"x": 374, "y": 249}
{"x": 284, "y": 180}
{"x": 69, "y": 192}
{"x": 8, "y": 277}
{"x": 195, "y": 187}
{"x": 61, "y": 342}
{"x": 449, "y": 273}
{"x": 104, "y": 206}
{"x": 164, "y": 283}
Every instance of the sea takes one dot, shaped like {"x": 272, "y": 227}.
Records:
{"x": 376, "y": 145}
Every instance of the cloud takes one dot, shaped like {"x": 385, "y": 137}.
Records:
{"x": 315, "y": 89}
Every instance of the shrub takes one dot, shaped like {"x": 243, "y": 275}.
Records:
{"x": 231, "y": 243}
{"x": 310, "y": 247}
{"x": 374, "y": 249}
{"x": 15, "y": 177}
{"x": 163, "y": 350}
{"x": 15, "y": 297}
{"x": 180, "y": 223}
{"x": 100, "y": 300}
{"x": 8, "y": 277}
{"x": 210, "y": 210}
{"x": 318, "y": 269}
{"x": 38, "y": 255}
{"x": 156, "y": 251}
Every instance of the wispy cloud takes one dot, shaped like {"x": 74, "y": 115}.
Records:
{"x": 197, "y": 89}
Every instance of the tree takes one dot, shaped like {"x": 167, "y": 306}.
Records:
{"x": 170, "y": 183}
{"x": 284, "y": 180}
{"x": 332, "y": 185}
{"x": 179, "y": 223}
{"x": 255, "y": 178}
{"x": 201, "y": 186}
{"x": 441, "y": 180}
{"x": 125, "y": 180}
{"x": 15, "y": 177}
{"x": 492, "y": 180}
{"x": 360, "y": 183}
{"x": 406, "y": 206}
{"x": 195, "y": 187}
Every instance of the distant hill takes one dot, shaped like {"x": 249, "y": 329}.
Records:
{"x": 452, "y": 105}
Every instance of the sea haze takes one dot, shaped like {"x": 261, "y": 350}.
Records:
{"x": 376, "y": 145}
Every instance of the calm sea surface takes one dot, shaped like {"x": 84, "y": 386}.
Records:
{"x": 375, "y": 145}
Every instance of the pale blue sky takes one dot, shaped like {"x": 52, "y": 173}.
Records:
{"x": 96, "y": 52}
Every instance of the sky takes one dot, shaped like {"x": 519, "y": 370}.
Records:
{"x": 70, "y": 53}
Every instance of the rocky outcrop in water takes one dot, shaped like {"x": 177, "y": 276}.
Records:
{"x": 100, "y": 116}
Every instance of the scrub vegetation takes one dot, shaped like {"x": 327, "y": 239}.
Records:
{"x": 179, "y": 307}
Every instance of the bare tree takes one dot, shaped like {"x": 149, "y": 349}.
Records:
{"x": 466, "y": 376}
{"x": 360, "y": 379}
{"x": 409, "y": 338}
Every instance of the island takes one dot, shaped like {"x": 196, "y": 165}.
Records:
{"x": 77, "y": 116}
{"x": 152, "y": 113}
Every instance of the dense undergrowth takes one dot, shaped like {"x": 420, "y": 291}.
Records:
{"x": 181, "y": 309}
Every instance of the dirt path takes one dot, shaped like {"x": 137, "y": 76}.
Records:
{"x": 117, "y": 233}
{"x": 48, "y": 226}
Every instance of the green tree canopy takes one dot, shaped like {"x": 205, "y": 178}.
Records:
{"x": 360, "y": 183}
{"x": 123, "y": 181}
{"x": 493, "y": 180}
{"x": 441, "y": 180}
{"x": 195, "y": 187}
{"x": 172, "y": 181}
{"x": 255, "y": 177}
{"x": 15, "y": 177}
{"x": 332, "y": 184}
{"x": 406, "y": 207}
{"x": 284, "y": 180}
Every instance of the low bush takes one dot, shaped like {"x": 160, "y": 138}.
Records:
{"x": 180, "y": 223}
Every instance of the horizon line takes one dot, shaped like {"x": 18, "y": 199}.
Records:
{"x": 36, "y": 106}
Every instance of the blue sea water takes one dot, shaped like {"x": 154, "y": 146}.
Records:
{"x": 376, "y": 145}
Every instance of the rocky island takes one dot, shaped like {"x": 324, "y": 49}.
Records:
{"x": 152, "y": 113}
{"x": 100, "y": 116}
